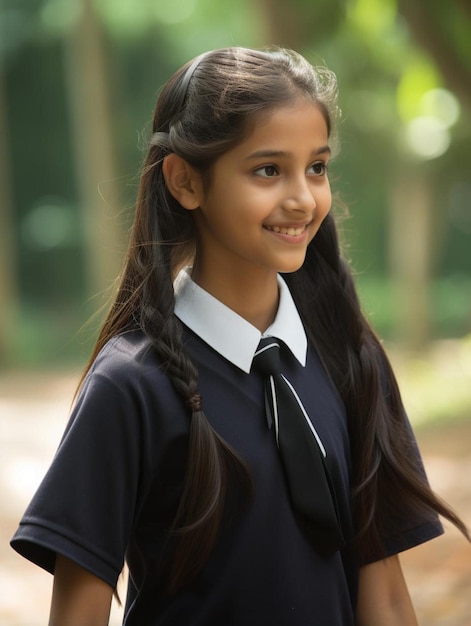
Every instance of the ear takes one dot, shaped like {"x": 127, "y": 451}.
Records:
{"x": 183, "y": 181}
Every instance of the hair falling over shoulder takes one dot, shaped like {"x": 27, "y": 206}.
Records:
{"x": 205, "y": 109}
{"x": 383, "y": 466}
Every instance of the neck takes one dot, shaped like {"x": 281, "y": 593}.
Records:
{"x": 253, "y": 298}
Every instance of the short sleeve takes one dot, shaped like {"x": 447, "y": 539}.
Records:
{"x": 85, "y": 505}
{"x": 404, "y": 525}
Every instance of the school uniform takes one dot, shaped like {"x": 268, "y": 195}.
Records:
{"x": 114, "y": 485}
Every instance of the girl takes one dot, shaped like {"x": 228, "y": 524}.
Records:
{"x": 233, "y": 239}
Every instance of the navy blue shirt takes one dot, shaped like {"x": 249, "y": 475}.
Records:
{"x": 114, "y": 485}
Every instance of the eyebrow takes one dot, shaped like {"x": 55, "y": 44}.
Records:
{"x": 262, "y": 154}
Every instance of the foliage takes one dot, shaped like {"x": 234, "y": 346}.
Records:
{"x": 403, "y": 68}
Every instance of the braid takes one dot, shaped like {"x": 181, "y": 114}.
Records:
{"x": 146, "y": 300}
{"x": 210, "y": 463}
{"x": 210, "y": 458}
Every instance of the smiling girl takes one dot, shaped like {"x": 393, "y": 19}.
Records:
{"x": 168, "y": 461}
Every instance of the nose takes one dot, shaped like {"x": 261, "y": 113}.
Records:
{"x": 300, "y": 196}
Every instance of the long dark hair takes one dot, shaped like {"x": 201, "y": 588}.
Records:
{"x": 204, "y": 110}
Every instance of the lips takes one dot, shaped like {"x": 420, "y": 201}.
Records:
{"x": 287, "y": 230}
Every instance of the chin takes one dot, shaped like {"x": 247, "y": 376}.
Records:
{"x": 291, "y": 268}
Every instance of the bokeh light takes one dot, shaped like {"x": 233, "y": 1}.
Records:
{"x": 48, "y": 225}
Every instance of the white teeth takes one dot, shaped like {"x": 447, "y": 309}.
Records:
{"x": 287, "y": 231}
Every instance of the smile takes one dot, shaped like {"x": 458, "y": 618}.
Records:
{"x": 293, "y": 232}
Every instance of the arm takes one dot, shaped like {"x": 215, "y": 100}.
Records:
{"x": 383, "y": 598}
{"x": 78, "y": 598}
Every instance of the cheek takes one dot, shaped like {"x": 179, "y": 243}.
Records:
{"x": 323, "y": 203}
{"x": 326, "y": 202}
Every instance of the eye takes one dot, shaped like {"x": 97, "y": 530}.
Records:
{"x": 319, "y": 168}
{"x": 266, "y": 171}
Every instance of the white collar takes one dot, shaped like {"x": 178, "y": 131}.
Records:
{"x": 230, "y": 334}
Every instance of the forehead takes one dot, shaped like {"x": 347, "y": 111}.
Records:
{"x": 296, "y": 125}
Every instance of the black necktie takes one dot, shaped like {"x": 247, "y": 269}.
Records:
{"x": 302, "y": 452}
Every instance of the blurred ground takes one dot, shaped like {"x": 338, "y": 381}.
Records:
{"x": 439, "y": 572}
{"x": 33, "y": 412}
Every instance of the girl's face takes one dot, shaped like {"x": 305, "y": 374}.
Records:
{"x": 267, "y": 197}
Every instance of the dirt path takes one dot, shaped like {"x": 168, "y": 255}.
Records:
{"x": 33, "y": 410}
{"x": 439, "y": 572}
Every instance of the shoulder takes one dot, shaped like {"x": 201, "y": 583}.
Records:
{"x": 126, "y": 379}
{"x": 124, "y": 355}
{"x": 128, "y": 361}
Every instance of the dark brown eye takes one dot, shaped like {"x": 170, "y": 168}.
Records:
{"x": 267, "y": 171}
{"x": 319, "y": 168}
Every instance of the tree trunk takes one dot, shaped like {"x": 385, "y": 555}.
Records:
{"x": 9, "y": 307}
{"x": 410, "y": 251}
{"x": 91, "y": 117}
{"x": 429, "y": 34}
{"x": 280, "y": 23}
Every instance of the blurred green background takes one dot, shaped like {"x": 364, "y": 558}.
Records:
{"x": 78, "y": 81}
